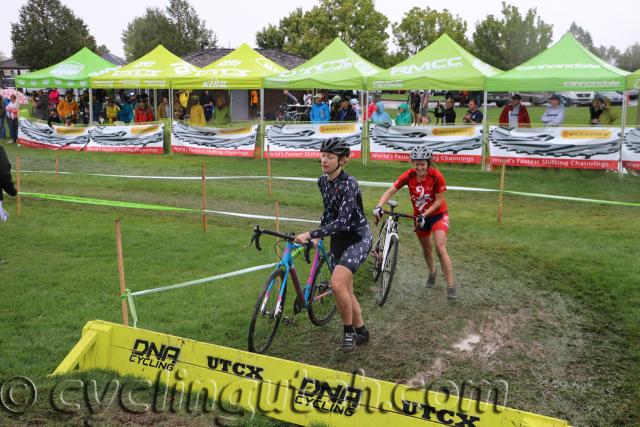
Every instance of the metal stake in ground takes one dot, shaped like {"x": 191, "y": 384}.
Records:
{"x": 204, "y": 197}
{"x": 57, "y": 166}
{"x": 268, "y": 170}
{"x": 501, "y": 196}
{"x": 19, "y": 198}
{"x": 123, "y": 285}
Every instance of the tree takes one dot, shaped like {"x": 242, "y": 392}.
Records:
{"x": 609, "y": 54}
{"x": 191, "y": 31}
{"x": 421, "y": 27}
{"x": 356, "y": 22}
{"x": 146, "y": 32}
{"x": 2, "y": 57}
{"x": 630, "y": 59}
{"x": 511, "y": 40}
{"x": 46, "y": 33}
{"x": 178, "y": 28}
{"x": 102, "y": 50}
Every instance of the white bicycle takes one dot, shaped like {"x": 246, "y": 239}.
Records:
{"x": 385, "y": 252}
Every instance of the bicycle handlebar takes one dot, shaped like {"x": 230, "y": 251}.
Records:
{"x": 399, "y": 215}
{"x": 289, "y": 237}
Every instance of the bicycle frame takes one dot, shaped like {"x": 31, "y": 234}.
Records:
{"x": 290, "y": 271}
{"x": 391, "y": 230}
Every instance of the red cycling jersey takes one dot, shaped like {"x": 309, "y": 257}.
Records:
{"x": 423, "y": 191}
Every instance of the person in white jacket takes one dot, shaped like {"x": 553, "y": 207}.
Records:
{"x": 554, "y": 115}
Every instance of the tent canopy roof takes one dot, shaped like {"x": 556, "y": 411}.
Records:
{"x": 444, "y": 64}
{"x": 72, "y": 73}
{"x": 335, "y": 67}
{"x": 564, "y": 66}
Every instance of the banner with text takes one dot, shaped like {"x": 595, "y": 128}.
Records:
{"x": 631, "y": 149}
{"x": 450, "y": 144}
{"x": 302, "y": 141}
{"x": 239, "y": 141}
{"x": 561, "y": 147}
{"x": 142, "y": 139}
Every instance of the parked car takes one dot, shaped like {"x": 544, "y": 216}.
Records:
{"x": 633, "y": 93}
{"x": 503, "y": 98}
{"x": 576, "y": 98}
{"x": 615, "y": 97}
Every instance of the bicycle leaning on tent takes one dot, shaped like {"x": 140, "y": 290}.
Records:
{"x": 385, "y": 252}
{"x": 316, "y": 297}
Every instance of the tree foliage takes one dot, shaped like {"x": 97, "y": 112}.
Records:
{"x": 421, "y": 27}
{"x": 356, "y": 22}
{"x": 178, "y": 28}
{"x": 46, "y": 33}
{"x": 506, "y": 42}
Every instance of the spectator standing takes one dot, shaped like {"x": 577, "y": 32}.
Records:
{"x": 415, "y": 105}
{"x": 446, "y": 114}
{"x": 68, "y": 109}
{"x": 13, "y": 112}
{"x": 207, "y": 105}
{"x": 254, "y": 103}
{"x": 54, "y": 96}
{"x": 40, "y": 106}
{"x": 307, "y": 99}
{"x": 371, "y": 108}
{"x": 515, "y": 114}
{"x": 334, "y": 106}
{"x": 112, "y": 111}
{"x": 289, "y": 99}
{"x": 143, "y": 113}
{"x": 221, "y": 114}
{"x": 163, "y": 109}
{"x": 6, "y": 183}
{"x": 196, "y": 114}
{"x": 96, "y": 107}
{"x": 473, "y": 116}
{"x": 380, "y": 116}
{"x": 423, "y": 116}
{"x": 554, "y": 115}
{"x": 3, "y": 115}
{"x": 595, "y": 109}
{"x": 404, "y": 116}
{"x": 345, "y": 113}
{"x": 126, "y": 110}
{"x": 320, "y": 112}
{"x": 607, "y": 117}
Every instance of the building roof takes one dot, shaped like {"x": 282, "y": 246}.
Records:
{"x": 11, "y": 64}
{"x": 207, "y": 56}
{"x": 114, "y": 59}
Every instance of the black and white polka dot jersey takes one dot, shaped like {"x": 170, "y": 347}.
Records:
{"x": 343, "y": 212}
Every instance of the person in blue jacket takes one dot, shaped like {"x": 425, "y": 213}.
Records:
{"x": 126, "y": 111}
{"x": 380, "y": 116}
{"x": 320, "y": 112}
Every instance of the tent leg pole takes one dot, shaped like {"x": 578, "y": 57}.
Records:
{"x": 90, "y": 106}
{"x": 262, "y": 120}
{"x": 155, "y": 103}
{"x": 622, "y": 126}
{"x": 485, "y": 132}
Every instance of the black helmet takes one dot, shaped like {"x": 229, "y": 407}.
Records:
{"x": 335, "y": 145}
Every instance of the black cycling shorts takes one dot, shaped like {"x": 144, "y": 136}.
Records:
{"x": 351, "y": 251}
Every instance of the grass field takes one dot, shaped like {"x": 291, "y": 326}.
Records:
{"x": 553, "y": 292}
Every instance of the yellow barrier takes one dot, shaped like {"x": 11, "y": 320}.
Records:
{"x": 281, "y": 389}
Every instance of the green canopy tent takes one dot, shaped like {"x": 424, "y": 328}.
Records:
{"x": 335, "y": 67}
{"x": 564, "y": 66}
{"x": 633, "y": 83}
{"x": 72, "y": 73}
{"x": 244, "y": 68}
{"x": 155, "y": 70}
{"x": 444, "y": 64}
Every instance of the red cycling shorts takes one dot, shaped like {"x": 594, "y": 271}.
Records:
{"x": 441, "y": 224}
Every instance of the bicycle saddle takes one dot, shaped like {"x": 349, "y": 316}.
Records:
{"x": 392, "y": 203}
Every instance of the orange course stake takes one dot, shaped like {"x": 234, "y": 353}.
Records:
{"x": 204, "y": 197}
{"x": 19, "y": 198}
{"x": 501, "y": 196}
{"x": 123, "y": 285}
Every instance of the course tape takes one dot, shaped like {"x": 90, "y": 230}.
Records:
{"x": 362, "y": 184}
{"x": 147, "y": 206}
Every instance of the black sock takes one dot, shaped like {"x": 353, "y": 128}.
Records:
{"x": 348, "y": 329}
{"x": 362, "y": 330}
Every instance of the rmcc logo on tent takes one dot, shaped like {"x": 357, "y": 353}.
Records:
{"x": 438, "y": 64}
{"x": 70, "y": 68}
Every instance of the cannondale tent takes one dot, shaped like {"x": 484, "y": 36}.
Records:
{"x": 153, "y": 71}
{"x": 633, "y": 81}
{"x": 244, "y": 68}
{"x": 443, "y": 64}
{"x": 72, "y": 73}
{"x": 565, "y": 66}
{"x": 335, "y": 67}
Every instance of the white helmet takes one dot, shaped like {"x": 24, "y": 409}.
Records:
{"x": 421, "y": 152}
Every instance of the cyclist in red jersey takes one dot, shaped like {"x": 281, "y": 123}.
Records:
{"x": 426, "y": 188}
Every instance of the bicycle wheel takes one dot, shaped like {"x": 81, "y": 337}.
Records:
{"x": 376, "y": 254}
{"x": 322, "y": 303}
{"x": 264, "y": 322}
{"x": 388, "y": 270}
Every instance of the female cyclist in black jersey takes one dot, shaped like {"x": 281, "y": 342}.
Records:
{"x": 344, "y": 220}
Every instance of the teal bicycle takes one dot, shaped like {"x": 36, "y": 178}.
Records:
{"x": 316, "y": 297}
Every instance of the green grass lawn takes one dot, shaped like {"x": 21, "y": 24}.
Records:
{"x": 553, "y": 292}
